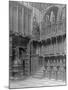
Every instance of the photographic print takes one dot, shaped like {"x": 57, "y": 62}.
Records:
{"x": 37, "y": 44}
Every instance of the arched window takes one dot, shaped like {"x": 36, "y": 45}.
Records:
{"x": 63, "y": 13}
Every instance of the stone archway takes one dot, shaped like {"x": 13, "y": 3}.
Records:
{"x": 48, "y": 11}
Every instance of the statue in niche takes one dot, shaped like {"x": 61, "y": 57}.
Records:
{"x": 52, "y": 17}
{"x": 64, "y": 16}
{"x": 36, "y": 28}
{"x": 47, "y": 19}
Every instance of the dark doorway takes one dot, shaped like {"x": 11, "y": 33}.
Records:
{"x": 22, "y": 52}
{"x": 23, "y": 67}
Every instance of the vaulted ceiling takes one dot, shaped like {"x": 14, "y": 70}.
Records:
{"x": 40, "y": 6}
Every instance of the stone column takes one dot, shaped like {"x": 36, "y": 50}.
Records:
{"x": 56, "y": 46}
{"x": 15, "y": 19}
{"x": 26, "y": 21}
{"x": 22, "y": 20}
{"x": 29, "y": 23}
{"x": 10, "y": 17}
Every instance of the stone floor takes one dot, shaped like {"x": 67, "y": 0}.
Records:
{"x": 36, "y": 80}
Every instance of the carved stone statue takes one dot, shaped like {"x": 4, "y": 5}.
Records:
{"x": 52, "y": 18}
{"x": 36, "y": 29}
